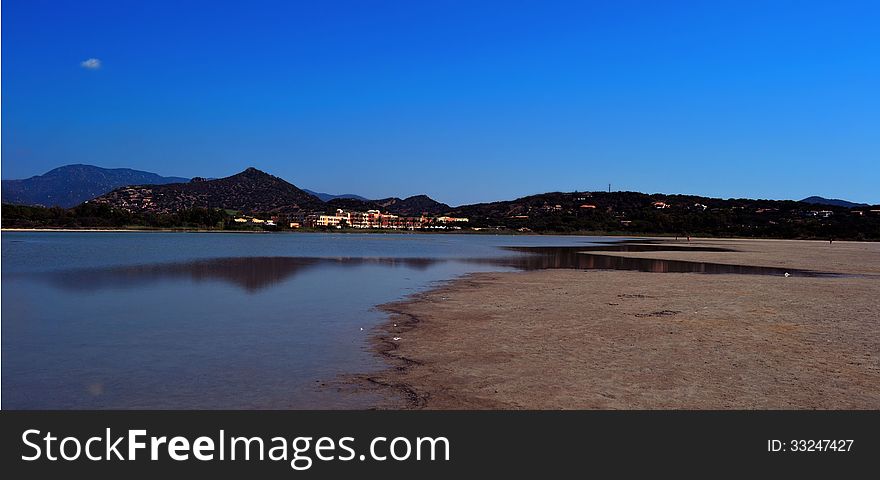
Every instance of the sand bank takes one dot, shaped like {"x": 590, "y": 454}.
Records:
{"x": 590, "y": 339}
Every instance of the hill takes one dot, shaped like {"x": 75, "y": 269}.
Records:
{"x": 352, "y": 204}
{"x": 814, "y": 200}
{"x": 326, "y": 197}
{"x": 641, "y": 213}
{"x": 251, "y": 191}
{"x": 205, "y": 203}
{"x": 412, "y": 206}
{"x": 71, "y": 185}
{"x": 409, "y": 207}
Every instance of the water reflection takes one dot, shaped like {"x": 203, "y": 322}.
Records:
{"x": 631, "y": 246}
{"x": 249, "y": 273}
{"x": 255, "y": 328}
{"x": 535, "y": 258}
{"x": 253, "y": 274}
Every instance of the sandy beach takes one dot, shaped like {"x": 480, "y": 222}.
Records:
{"x": 597, "y": 339}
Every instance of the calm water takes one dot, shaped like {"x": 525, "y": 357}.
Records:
{"x": 170, "y": 320}
{"x": 173, "y": 320}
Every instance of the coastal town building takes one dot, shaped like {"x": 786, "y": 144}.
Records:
{"x": 340, "y": 219}
{"x": 375, "y": 219}
{"x": 254, "y": 220}
{"x": 451, "y": 219}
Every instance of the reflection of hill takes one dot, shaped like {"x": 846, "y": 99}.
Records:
{"x": 249, "y": 273}
{"x": 536, "y": 258}
{"x": 255, "y": 273}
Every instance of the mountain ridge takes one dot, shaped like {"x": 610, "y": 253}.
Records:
{"x": 326, "y": 197}
{"x": 255, "y": 191}
{"x": 414, "y": 205}
{"x": 201, "y": 203}
{"x": 251, "y": 191}
{"x": 817, "y": 200}
{"x": 70, "y": 185}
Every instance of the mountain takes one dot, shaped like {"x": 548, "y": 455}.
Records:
{"x": 251, "y": 191}
{"x": 71, "y": 185}
{"x": 412, "y": 206}
{"x": 352, "y": 204}
{"x": 555, "y": 210}
{"x": 625, "y": 213}
{"x": 326, "y": 197}
{"x": 139, "y": 192}
{"x": 814, "y": 200}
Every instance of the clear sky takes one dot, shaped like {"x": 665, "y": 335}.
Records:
{"x": 465, "y": 101}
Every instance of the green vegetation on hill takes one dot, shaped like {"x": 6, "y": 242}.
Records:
{"x": 91, "y": 215}
{"x": 623, "y": 213}
{"x": 250, "y": 191}
{"x": 639, "y": 213}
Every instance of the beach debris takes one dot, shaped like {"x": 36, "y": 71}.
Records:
{"x": 787, "y": 274}
{"x": 395, "y": 324}
{"x": 362, "y": 329}
{"x": 396, "y": 338}
{"x": 660, "y": 313}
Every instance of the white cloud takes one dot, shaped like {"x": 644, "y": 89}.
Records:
{"x": 91, "y": 64}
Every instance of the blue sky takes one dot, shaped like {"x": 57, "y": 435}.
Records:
{"x": 465, "y": 101}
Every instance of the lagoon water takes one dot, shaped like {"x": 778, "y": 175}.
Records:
{"x": 98, "y": 320}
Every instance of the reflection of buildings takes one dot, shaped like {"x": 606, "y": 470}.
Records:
{"x": 377, "y": 219}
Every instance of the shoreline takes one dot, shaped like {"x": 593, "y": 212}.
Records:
{"x": 128, "y": 230}
{"x": 615, "y": 235}
{"x": 607, "y": 339}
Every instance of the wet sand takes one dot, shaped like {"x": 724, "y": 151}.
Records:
{"x": 597, "y": 339}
